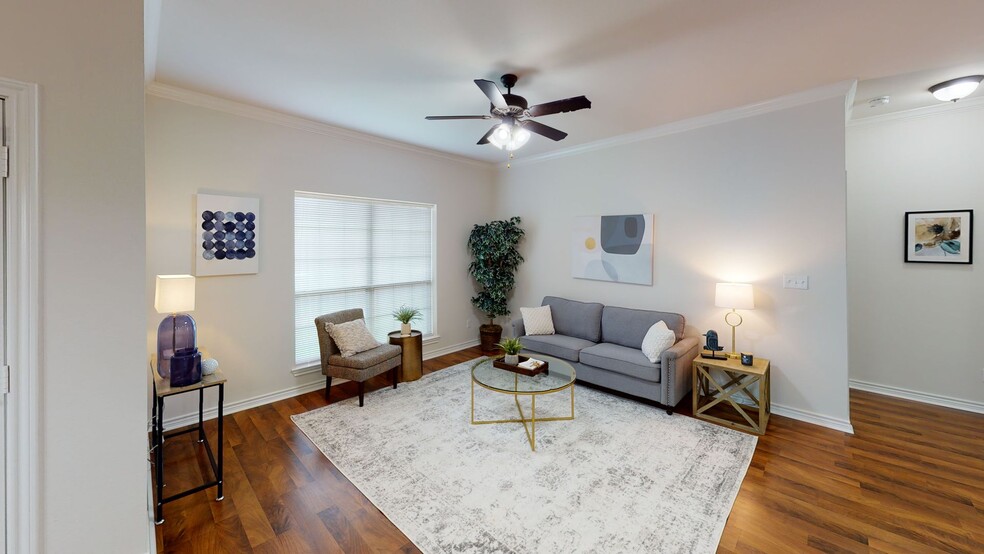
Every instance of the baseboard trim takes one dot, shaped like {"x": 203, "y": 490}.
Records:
{"x": 450, "y": 349}
{"x": 916, "y": 396}
{"x": 834, "y": 423}
{"x": 238, "y": 406}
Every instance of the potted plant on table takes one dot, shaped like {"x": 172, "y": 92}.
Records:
{"x": 512, "y": 347}
{"x": 405, "y": 315}
{"x": 494, "y": 262}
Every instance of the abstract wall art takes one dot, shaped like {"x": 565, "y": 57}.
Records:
{"x": 227, "y": 235}
{"x": 616, "y": 248}
{"x": 939, "y": 237}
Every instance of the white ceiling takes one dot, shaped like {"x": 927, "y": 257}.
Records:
{"x": 380, "y": 66}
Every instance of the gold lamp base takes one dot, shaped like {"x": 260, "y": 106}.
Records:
{"x": 727, "y": 319}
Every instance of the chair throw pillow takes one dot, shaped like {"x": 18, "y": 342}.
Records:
{"x": 658, "y": 338}
{"x": 351, "y": 337}
{"x": 538, "y": 321}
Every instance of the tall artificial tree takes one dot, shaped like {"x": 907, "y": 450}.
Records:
{"x": 495, "y": 259}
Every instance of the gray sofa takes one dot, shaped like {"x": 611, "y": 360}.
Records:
{"x": 604, "y": 343}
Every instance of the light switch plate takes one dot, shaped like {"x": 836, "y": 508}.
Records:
{"x": 796, "y": 282}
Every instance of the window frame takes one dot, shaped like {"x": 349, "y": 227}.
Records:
{"x": 315, "y": 365}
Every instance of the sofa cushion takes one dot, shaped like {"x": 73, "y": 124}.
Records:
{"x": 627, "y": 327}
{"x": 367, "y": 358}
{"x": 658, "y": 339}
{"x": 560, "y": 346}
{"x": 577, "y": 319}
{"x": 621, "y": 359}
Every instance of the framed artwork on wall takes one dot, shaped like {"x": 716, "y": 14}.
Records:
{"x": 227, "y": 235}
{"x": 944, "y": 237}
{"x": 617, "y": 248}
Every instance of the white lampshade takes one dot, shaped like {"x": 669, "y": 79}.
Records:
{"x": 175, "y": 293}
{"x": 734, "y": 295}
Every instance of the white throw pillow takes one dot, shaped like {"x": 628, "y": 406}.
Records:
{"x": 351, "y": 337}
{"x": 538, "y": 321}
{"x": 658, "y": 338}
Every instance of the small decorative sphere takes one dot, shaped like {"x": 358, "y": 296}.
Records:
{"x": 209, "y": 365}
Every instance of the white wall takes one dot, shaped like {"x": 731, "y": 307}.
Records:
{"x": 746, "y": 200}
{"x": 915, "y": 326}
{"x": 87, "y": 58}
{"x": 247, "y": 321}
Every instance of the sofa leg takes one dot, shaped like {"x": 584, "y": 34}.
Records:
{"x": 393, "y": 371}
{"x": 362, "y": 391}
{"x": 327, "y": 387}
{"x": 669, "y": 411}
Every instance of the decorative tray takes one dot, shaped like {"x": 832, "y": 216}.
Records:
{"x": 543, "y": 368}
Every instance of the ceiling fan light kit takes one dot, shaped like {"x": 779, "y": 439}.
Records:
{"x": 512, "y": 114}
{"x": 955, "y": 89}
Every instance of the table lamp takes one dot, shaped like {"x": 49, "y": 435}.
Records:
{"x": 174, "y": 294}
{"x": 737, "y": 296}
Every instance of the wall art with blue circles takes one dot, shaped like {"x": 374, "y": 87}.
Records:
{"x": 227, "y": 235}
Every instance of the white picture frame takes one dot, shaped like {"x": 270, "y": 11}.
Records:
{"x": 229, "y": 245}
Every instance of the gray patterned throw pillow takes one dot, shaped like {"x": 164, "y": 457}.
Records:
{"x": 351, "y": 337}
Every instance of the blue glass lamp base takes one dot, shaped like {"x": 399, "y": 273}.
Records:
{"x": 176, "y": 332}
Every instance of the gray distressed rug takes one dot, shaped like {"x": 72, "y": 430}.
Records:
{"x": 621, "y": 477}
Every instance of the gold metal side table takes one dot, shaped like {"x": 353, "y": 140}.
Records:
{"x": 412, "y": 358}
{"x": 708, "y": 392}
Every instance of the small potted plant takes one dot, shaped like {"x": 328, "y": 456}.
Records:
{"x": 405, "y": 315}
{"x": 511, "y": 347}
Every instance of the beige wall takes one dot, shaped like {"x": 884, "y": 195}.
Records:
{"x": 747, "y": 201}
{"x": 247, "y": 321}
{"x": 87, "y": 58}
{"x": 915, "y": 327}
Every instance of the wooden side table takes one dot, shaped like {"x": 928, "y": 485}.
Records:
{"x": 162, "y": 390}
{"x": 412, "y": 361}
{"x": 708, "y": 392}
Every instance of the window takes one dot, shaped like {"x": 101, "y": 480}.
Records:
{"x": 360, "y": 253}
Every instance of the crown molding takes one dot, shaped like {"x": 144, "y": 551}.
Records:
{"x": 975, "y": 103}
{"x": 207, "y": 101}
{"x": 835, "y": 90}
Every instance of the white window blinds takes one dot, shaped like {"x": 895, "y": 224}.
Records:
{"x": 360, "y": 253}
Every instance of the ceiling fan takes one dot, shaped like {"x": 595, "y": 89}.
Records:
{"x": 512, "y": 114}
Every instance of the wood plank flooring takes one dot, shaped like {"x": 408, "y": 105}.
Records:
{"x": 910, "y": 480}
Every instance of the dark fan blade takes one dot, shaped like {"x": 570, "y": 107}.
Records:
{"x": 560, "y": 106}
{"x": 443, "y": 117}
{"x": 485, "y": 137}
{"x": 492, "y": 91}
{"x": 541, "y": 129}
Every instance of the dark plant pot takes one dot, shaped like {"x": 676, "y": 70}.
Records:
{"x": 491, "y": 337}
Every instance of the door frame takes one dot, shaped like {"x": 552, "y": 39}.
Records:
{"x": 23, "y": 423}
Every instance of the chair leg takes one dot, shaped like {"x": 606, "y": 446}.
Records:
{"x": 393, "y": 371}
{"x": 362, "y": 391}
{"x": 327, "y": 387}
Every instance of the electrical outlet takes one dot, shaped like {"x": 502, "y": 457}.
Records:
{"x": 796, "y": 282}
{"x": 982, "y": 375}
{"x": 468, "y": 323}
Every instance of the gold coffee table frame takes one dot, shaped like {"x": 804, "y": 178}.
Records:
{"x": 515, "y": 391}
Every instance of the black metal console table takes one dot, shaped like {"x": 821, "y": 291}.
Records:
{"x": 163, "y": 389}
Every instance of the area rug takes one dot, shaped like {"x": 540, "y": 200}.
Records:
{"x": 621, "y": 477}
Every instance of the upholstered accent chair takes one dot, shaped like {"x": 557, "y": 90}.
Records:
{"x": 359, "y": 367}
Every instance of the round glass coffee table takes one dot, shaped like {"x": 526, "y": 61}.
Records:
{"x": 559, "y": 376}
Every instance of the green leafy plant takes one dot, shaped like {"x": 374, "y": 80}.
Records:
{"x": 406, "y": 314}
{"x": 511, "y": 346}
{"x": 495, "y": 259}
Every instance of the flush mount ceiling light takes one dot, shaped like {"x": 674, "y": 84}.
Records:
{"x": 955, "y": 89}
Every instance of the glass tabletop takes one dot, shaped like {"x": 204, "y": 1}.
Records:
{"x": 560, "y": 374}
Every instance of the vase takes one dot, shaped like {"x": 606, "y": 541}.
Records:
{"x": 512, "y": 359}
{"x": 405, "y": 330}
{"x": 491, "y": 336}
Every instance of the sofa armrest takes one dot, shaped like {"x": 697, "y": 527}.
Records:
{"x": 676, "y": 373}
{"x": 518, "y": 328}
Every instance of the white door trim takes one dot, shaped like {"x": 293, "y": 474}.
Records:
{"x": 24, "y": 351}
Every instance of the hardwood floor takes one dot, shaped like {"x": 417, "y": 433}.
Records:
{"x": 910, "y": 480}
